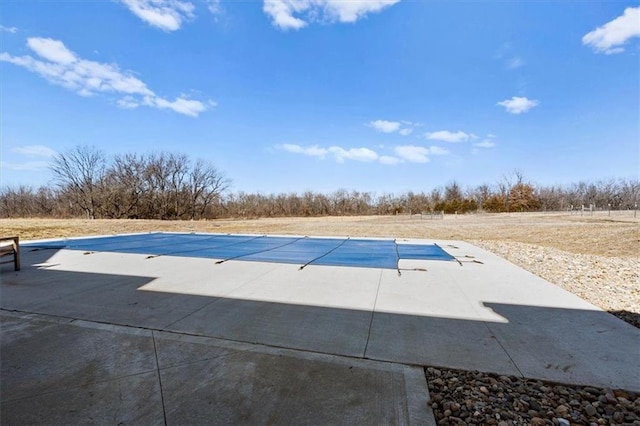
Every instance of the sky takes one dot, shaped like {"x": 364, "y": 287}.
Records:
{"x": 295, "y": 95}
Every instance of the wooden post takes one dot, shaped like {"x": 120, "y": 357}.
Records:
{"x": 16, "y": 256}
{"x": 13, "y": 249}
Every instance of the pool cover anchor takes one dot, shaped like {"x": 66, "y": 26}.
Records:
{"x": 412, "y": 269}
{"x": 469, "y": 261}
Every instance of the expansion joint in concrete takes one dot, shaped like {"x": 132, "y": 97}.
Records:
{"x": 373, "y": 312}
{"x": 155, "y": 352}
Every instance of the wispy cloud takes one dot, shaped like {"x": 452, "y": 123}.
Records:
{"x": 401, "y": 153}
{"x": 214, "y": 6}
{"x": 610, "y": 37}
{"x": 59, "y": 65}
{"x": 313, "y": 151}
{"x": 389, "y": 160}
{"x": 357, "y": 154}
{"x": 487, "y": 143}
{"x": 451, "y": 137}
{"x": 403, "y": 127}
{"x": 30, "y": 151}
{"x": 27, "y": 166}
{"x": 296, "y": 14}
{"x": 385, "y": 126}
{"x": 34, "y": 151}
{"x": 518, "y": 105}
{"x": 167, "y": 15}
{"x": 506, "y": 54}
{"x": 413, "y": 153}
{"x": 515, "y": 63}
{"x": 436, "y": 150}
{"x": 339, "y": 154}
{"x": 11, "y": 30}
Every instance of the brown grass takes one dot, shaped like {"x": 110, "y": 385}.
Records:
{"x": 615, "y": 236}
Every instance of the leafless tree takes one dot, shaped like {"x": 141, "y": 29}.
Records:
{"x": 80, "y": 172}
{"x": 206, "y": 184}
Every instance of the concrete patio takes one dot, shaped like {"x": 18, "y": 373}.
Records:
{"x": 111, "y": 337}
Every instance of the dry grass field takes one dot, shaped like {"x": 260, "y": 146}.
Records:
{"x": 614, "y": 236}
{"x": 596, "y": 257}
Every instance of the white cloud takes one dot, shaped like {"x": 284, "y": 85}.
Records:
{"x": 412, "y": 153}
{"x": 403, "y": 127}
{"x": 385, "y": 126}
{"x": 11, "y": 30}
{"x": 352, "y": 10}
{"x": 402, "y": 153}
{"x": 610, "y": 37}
{"x": 313, "y": 151}
{"x": 339, "y": 154}
{"x": 63, "y": 67}
{"x": 28, "y": 166}
{"x": 167, "y": 15}
{"x": 214, "y": 6}
{"x": 282, "y": 11}
{"x": 34, "y": 151}
{"x": 53, "y": 50}
{"x": 485, "y": 144}
{"x": 181, "y": 105}
{"x": 436, "y": 150}
{"x": 357, "y": 154}
{"x": 451, "y": 137}
{"x": 518, "y": 105}
{"x": 389, "y": 160}
{"x": 128, "y": 102}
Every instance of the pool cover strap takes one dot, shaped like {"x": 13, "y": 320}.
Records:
{"x": 259, "y": 251}
{"x": 323, "y": 255}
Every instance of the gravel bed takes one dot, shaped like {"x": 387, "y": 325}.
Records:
{"x": 462, "y": 397}
{"x": 611, "y": 283}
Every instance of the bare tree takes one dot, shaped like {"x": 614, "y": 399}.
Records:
{"x": 206, "y": 184}
{"x": 126, "y": 186}
{"x": 171, "y": 186}
{"x": 452, "y": 192}
{"x": 80, "y": 172}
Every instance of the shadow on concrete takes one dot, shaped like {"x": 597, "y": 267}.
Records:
{"x": 632, "y": 318}
{"x": 561, "y": 345}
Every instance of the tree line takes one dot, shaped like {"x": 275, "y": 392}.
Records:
{"x": 171, "y": 186}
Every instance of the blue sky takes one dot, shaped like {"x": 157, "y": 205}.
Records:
{"x": 295, "y": 95}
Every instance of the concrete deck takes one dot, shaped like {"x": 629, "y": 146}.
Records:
{"x": 110, "y": 336}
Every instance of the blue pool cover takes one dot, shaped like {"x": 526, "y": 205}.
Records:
{"x": 297, "y": 250}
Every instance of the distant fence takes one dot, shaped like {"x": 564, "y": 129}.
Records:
{"x": 427, "y": 215}
{"x": 582, "y": 211}
{"x": 592, "y": 210}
